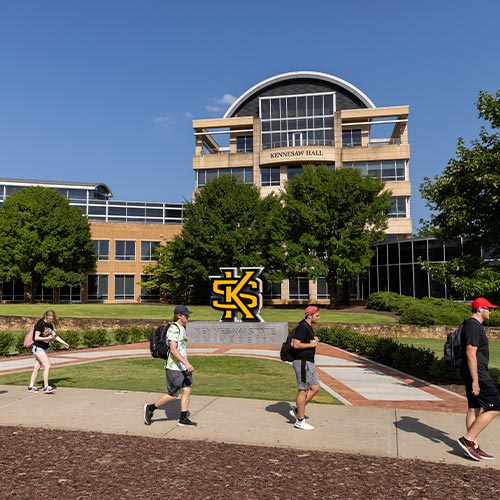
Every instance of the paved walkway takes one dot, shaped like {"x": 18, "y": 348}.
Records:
{"x": 386, "y": 412}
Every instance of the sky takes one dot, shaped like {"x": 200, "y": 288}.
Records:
{"x": 106, "y": 90}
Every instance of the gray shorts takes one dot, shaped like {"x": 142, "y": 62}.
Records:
{"x": 306, "y": 374}
{"x": 38, "y": 350}
{"x": 176, "y": 380}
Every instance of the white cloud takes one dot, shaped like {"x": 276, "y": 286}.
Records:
{"x": 163, "y": 121}
{"x": 221, "y": 104}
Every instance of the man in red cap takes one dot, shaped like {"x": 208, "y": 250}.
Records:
{"x": 304, "y": 345}
{"x": 483, "y": 398}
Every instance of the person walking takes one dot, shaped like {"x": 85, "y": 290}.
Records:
{"x": 43, "y": 333}
{"x": 179, "y": 371}
{"x": 304, "y": 350}
{"x": 483, "y": 399}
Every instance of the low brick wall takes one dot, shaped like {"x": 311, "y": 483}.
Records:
{"x": 394, "y": 330}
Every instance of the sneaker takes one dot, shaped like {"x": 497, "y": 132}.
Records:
{"x": 468, "y": 447}
{"x": 148, "y": 414}
{"x": 302, "y": 424}
{"x": 48, "y": 390}
{"x": 293, "y": 412}
{"x": 186, "y": 423}
{"x": 483, "y": 455}
{"x": 33, "y": 389}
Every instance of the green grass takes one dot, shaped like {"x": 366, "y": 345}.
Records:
{"x": 221, "y": 376}
{"x": 200, "y": 313}
{"x": 436, "y": 346}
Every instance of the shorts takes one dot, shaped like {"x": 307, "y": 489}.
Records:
{"x": 176, "y": 380}
{"x": 488, "y": 398}
{"x": 38, "y": 350}
{"x": 306, "y": 374}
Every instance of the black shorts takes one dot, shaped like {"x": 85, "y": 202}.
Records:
{"x": 177, "y": 380}
{"x": 488, "y": 398}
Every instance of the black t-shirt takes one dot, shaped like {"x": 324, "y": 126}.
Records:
{"x": 45, "y": 329}
{"x": 473, "y": 334}
{"x": 305, "y": 334}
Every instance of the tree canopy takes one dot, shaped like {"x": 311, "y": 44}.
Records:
{"x": 228, "y": 224}
{"x": 465, "y": 204}
{"x": 333, "y": 219}
{"x": 43, "y": 240}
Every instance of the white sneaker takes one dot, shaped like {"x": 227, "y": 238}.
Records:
{"x": 48, "y": 390}
{"x": 293, "y": 412}
{"x": 302, "y": 424}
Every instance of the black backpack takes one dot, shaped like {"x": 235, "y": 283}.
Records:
{"x": 286, "y": 352}
{"x": 453, "y": 348}
{"x": 158, "y": 343}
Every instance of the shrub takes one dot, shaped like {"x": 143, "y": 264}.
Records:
{"x": 6, "y": 341}
{"x": 70, "y": 336}
{"x": 383, "y": 350}
{"x": 19, "y": 343}
{"x": 389, "y": 301}
{"x": 122, "y": 335}
{"x": 443, "y": 372}
{"x": 136, "y": 334}
{"x": 95, "y": 338}
{"x": 416, "y": 315}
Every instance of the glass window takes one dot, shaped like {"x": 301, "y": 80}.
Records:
{"x": 125, "y": 250}
{"x": 298, "y": 288}
{"x": 322, "y": 289}
{"x": 270, "y": 176}
{"x": 293, "y": 171}
{"x": 97, "y": 287}
{"x": 70, "y": 294}
{"x": 398, "y": 209}
{"x": 351, "y": 137}
{"x": 272, "y": 291}
{"x": 148, "y": 250}
{"x": 101, "y": 248}
{"x": 244, "y": 144}
{"x": 149, "y": 295}
{"x": 124, "y": 287}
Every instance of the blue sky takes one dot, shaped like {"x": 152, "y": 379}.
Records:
{"x": 105, "y": 90}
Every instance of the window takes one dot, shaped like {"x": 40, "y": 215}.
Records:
{"x": 243, "y": 174}
{"x": 124, "y": 250}
{"x": 272, "y": 291}
{"x": 398, "y": 210}
{"x": 101, "y": 249}
{"x": 97, "y": 287}
{"x": 244, "y": 144}
{"x": 322, "y": 289}
{"x": 298, "y": 288}
{"x": 351, "y": 137}
{"x": 70, "y": 294}
{"x": 149, "y": 295}
{"x": 270, "y": 176}
{"x": 148, "y": 250}
{"x": 297, "y": 120}
{"x": 387, "y": 170}
{"x": 124, "y": 287}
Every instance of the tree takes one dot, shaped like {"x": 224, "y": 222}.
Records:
{"x": 334, "y": 217}
{"x": 465, "y": 205}
{"x": 44, "y": 241}
{"x": 227, "y": 225}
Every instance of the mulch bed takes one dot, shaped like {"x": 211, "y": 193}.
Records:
{"x": 51, "y": 464}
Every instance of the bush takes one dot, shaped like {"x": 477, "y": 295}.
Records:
{"x": 19, "y": 343}
{"x": 122, "y": 335}
{"x": 6, "y": 341}
{"x": 95, "y": 338}
{"x": 70, "y": 336}
{"x": 416, "y": 315}
{"x": 136, "y": 334}
{"x": 443, "y": 372}
{"x": 389, "y": 301}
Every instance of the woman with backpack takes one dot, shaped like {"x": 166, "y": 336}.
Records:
{"x": 42, "y": 335}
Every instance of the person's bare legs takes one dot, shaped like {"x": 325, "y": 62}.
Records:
{"x": 41, "y": 359}
{"x": 304, "y": 397}
{"x": 185, "y": 397}
{"x": 479, "y": 424}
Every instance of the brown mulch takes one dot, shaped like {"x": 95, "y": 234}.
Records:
{"x": 51, "y": 464}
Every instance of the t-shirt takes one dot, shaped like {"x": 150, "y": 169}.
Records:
{"x": 305, "y": 334}
{"x": 473, "y": 334}
{"x": 46, "y": 330}
{"x": 177, "y": 333}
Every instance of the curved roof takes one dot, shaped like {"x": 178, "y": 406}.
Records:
{"x": 284, "y": 78}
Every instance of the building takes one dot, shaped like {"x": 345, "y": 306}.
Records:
{"x": 264, "y": 138}
{"x": 306, "y": 117}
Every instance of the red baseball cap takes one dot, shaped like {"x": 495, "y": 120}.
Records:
{"x": 310, "y": 310}
{"x": 482, "y": 302}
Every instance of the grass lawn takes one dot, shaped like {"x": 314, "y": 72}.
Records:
{"x": 223, "y": 376}
{"x": 436, "y": 346}
{"x": 200, "y": 313}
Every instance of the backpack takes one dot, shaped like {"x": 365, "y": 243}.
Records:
{"x": 158, "y": 342}
{"x": 286, "y": 351}
{"x": 453, "y": 349}
{"x": 29, "y": 338}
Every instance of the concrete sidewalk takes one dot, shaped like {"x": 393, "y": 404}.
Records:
{"x": 369, "y": 431}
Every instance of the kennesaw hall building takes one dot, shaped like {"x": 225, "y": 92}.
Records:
{"x": 264, "y": 138}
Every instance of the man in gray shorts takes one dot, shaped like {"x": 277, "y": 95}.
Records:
{"x": 304, "y": 349}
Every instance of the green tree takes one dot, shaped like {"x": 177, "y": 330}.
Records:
{"x": 334, "y": 217}
{"x": 227, "y": 225}
{"x": 44, "y": 241}
{"x": 465, "y": 205}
